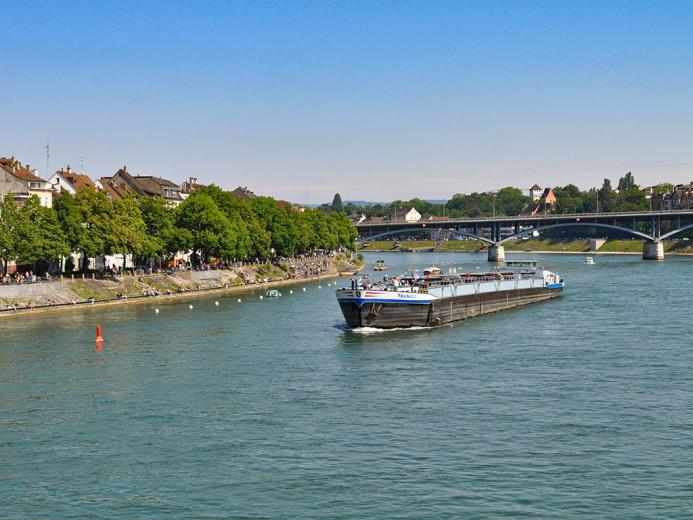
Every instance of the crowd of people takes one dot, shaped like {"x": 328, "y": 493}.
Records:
{"x": 22, "y": 278}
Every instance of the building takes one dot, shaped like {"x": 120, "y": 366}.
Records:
{"x": 535, "y": 192}
{"x": 23, "y": 182}
{"x": 158, "y": 187}
{"x": 681, "y": 197}
{"x": 114, "y": 190}
{"x": 189, "y": 186}
{"x": 409, "y": 216}
{"x": 545, "y": 204}
{"x": 122, "y": 183}
{"x": 357, "y": 218}
{"x": 67, "y": 181}
{"x": 243, "y": 193}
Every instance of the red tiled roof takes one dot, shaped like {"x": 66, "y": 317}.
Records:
{"x": 15, "y": 168}
{"x": 79, "y": 181}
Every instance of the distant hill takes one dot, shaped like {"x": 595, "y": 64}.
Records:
{"x": 363, "y": 203}
{"x": 367, "y": 203}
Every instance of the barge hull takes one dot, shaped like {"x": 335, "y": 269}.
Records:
{"x": 393, "y": 315}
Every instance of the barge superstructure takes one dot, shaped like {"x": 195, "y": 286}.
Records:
{"x": 435, "y": 298}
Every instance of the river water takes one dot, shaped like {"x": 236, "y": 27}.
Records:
{"x": 580, "y": 407}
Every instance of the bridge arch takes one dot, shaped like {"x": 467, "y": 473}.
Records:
{"x": 395, "y": 232}
{"x": 472, "y": 235}
{"x": 676, "y": 231}
{"x": 583, "y": 224}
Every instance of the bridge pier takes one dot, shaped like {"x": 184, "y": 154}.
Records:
{"x": 653, "y": 250}
{"x": 496, "y": 253}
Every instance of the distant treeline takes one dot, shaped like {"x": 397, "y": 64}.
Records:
{"x": 511, "y": 201}
{"x": 210, "y": 222}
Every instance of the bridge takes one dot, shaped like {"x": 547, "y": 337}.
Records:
{"x": 651, "y": 226}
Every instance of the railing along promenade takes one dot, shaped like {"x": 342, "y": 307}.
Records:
{"x": 650, "y": 226}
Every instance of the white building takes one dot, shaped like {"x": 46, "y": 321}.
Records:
{"x": 22, "y": 182}
{"x": 535, "y": 192}
{"x": 412, "y": 215}
{"x": 67, "y": 181}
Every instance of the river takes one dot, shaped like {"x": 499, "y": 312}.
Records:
{"x": 577, "y": 407}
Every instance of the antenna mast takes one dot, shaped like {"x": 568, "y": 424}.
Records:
{"x": 48, "y": 156}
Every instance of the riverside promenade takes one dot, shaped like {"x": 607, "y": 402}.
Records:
{"x": 82, "y": 292}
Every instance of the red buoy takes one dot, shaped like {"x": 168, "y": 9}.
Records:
{"x": 99, "y": 337}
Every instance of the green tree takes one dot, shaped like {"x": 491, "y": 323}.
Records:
{"x": 97, "y": 222}
{"x": 252, "y": 239}
{"x": 210, "y": 233}
{"x": 42, "y": 237}
{"x": 632, "y": 199}
{"x": 280, "y": 223}
{"x": 10, "y": 230}
{"x": 627, "y": 182}
{"x": 510, "y": 201}
{"x": 608, "y": 200}
{"x": 128, "y": 230}
{"x": 337, "y": 203}
{"x": 70, "y": 217}
{"x": 163, "y": 238}
{"x": 569, "y": 199}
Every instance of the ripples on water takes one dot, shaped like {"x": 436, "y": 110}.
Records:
{"x": 578, "y": 407}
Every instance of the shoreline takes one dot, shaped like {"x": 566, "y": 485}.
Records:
{"x": 237, "y": 289}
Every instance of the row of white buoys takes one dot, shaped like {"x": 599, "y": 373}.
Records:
{"x": 216, "y": 303}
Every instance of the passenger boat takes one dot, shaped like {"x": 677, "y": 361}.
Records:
{"x": 589, "y": 260}
{"x": 425, "y": 300}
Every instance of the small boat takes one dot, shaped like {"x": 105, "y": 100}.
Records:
{"x": 380, "y": 265}
{"x": 589, "y": 260}
{"x": 273, "y": 293}
{"x": 431, "y": 271}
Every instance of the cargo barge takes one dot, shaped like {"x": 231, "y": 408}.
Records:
{"x": 431, "y": 298}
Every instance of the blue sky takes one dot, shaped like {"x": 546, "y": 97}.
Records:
{"x": 375, "y": 100}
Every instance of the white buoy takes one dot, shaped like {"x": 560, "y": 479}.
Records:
{"x": 190, "y": 307}
{"x": 280, "y": 294}
{"x": 156, "y": 311}
{"x": 239, "y": 300}
{"x": 329, "y": 285}
{"x": 291, "y": 291}
{"x": 261, "y": 297}
{"x": 319, "y": 286}
{"x": 216, "y": 303}
{"x": 304, "y": 289}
